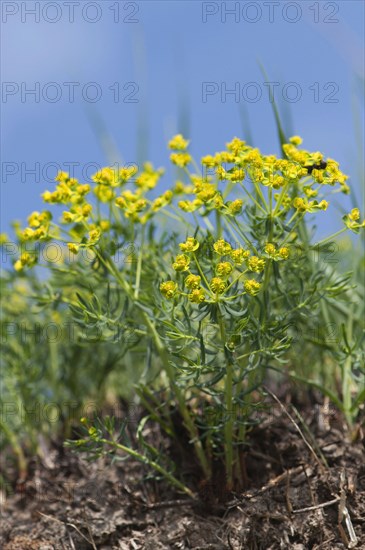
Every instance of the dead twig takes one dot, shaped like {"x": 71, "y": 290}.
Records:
{"x": 272, "y": 483}
{"x": 317, "y": 506}
{"x": 287, "y": 493}
{"x": 70, "y": 525}
{"x": 169, "y": 503}
{"x": 343, "y": 514}
{"x": 296, "y": 427}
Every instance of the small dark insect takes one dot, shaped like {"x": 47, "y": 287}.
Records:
{"x": 320, "y": 166}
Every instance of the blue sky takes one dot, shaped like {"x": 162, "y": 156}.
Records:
{"x": 161, "y": 57}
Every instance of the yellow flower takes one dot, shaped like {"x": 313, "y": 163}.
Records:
{"x": 354, "y": 215}
{"x": 256, "y": 264}
{"x": 94, "y": 235}
{"x": 104, "y": 225}
{"x": 252, "y": 287}
{"x": 104, "y": 193}
{"x": 77, "y": 214}
{"x": 309, "y": 191}
{"x": 33, "y": 219}
{"x": 296, "y": 140}
{"x": 83, "y": 189}
{"x": 225, "y": 156}
{"x": 190, "y": 245}
{"x": 193, "y": 281}
{"x": 25, "y": 260}
{"x": 235, "y": 207}
{"x": 67, "y": 217}
{"x": 149, "y": 178}
{"x": 323, "y": 205}
{"x": 221, "y": 173}
{"x": 126, "y": 173}
{"x": 73, "y": 247}
{"x": 133, "y": 208}
{"x": 197, "y": 296}
{"x": 236, "y": 145}
{"x": 218, "y": 285}
{"x": 278, "y": 182}
{"x": 270, "y": 249}
{"x": 168, "y": 289}
{"x": 180, "y": 188}
{"x": 224, "y": 269}
{"x": 181, "y": 263}
{"x": 190, "y": 206}
{"x": 284, "y": 252}
{"x": 37, "y": 218}
{"x": 180, "y": 159}
{"x": 222, "y": 247}
{"x": 300, "y": 204}
{"x": 121, "y": 202}
{"x": 162, "y": 201}
{"x": 209, "y": 161}
{"x": 28, "y": 234}
{"x": 206, "y": 192}
{"x": 53, "y": 198}
{"x": 352, "y": 220}
{"x": 106, "y": 176}
{"x": 62, "y": 176}
{"x": 178, "y": 143}
{"x": 239, "y": 255}
{"x": 218, "y": 202}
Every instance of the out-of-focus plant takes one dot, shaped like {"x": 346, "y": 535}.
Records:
{"x": 49, "y": 372}
{"x": 213, "y": 313}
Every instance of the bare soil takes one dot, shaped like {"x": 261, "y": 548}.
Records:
{"x": 305, "y": 490}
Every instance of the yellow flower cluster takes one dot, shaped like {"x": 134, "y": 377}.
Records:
{"x": 272, "y": 252}
{"x": 296, "y": 179}
{"x": 252, "y": 287}
{"x": 39, "y": 224}
{"x": 190, "y": 245}
{"x": 222, "y": 248}
{"x": 77, "y": 214}
{"x": 181, "y": 158}
{"x": 168, "y": 289}
{"x": 352, "y": 220}
{"x": 108, "y": 178}
{"x": 322, "y": 171}
{"x": 256, "y": 264}
{"x": 303, "y": 205}
{"x": 149, "y": 177}
{"x": 240, "y": 160}
{"x": 178, "y": 143}
{"x": 162, "y": 201}
{"x": 25, "y": 260}
{"x": 199, "y": 286}
{"x": 68, "y": 191}
{"x": 135, "y": 205}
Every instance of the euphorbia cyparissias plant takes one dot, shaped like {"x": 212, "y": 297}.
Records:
{"x": 214, "y": 313}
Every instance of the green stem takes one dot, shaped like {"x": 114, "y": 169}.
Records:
{"x": 202, "y": 273}
{"x": 332, "y": 236}
{"x": 253, "y": 199}
{"x": 139, "y": 265}
{"x": 228, "y": 428}
{"x": 141, "y": 458}
{"x": 189, "y": 423}
{"x": 219, "y": 224}
{"x": 280, "y": 199}
{"x": 346, "y": 373}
